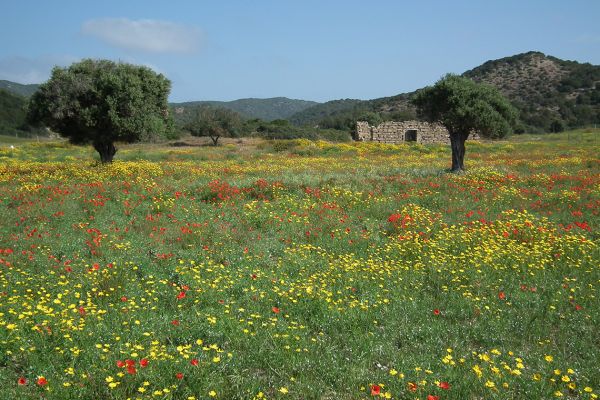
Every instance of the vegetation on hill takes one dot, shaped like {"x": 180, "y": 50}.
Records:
{"x": 13, "y": 115}
{"x": 18, "y": 88}
{"x": 215, "y": 122}
{"x": 283, "y": 129}
{"x": 343, "y": 114}
{"x": 12, "y": 112}
{"x": 265, "y": 109}
{"x": 550, "y": 94}
{"x": 317, "y": 113}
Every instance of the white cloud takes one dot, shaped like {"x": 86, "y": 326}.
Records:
{"x": 145, "y": 34}
{"x": 27, "y": 70}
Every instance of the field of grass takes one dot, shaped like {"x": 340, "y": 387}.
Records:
{"x": 301, "y": 270}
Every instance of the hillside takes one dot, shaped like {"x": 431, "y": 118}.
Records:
{"x": 315, "y": 114}
{"x": 13, "y": 117}
{"x": 265, "y": 109}
{"x": 18, "y": 88}
{"x": 549, "y": 93}
{"x": 545, "y": 89}
{"x": 12, "y": 112}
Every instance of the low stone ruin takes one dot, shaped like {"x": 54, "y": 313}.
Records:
{"x": 394, "y": 132}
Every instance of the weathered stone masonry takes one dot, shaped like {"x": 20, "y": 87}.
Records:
{"x": 399, "y": 132}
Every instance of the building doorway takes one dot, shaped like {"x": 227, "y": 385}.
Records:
{"x": 410, "y": 135}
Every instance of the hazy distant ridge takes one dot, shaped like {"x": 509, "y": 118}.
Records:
{"x": 546, "y": 90}
{"x": 18, "y": 88}
{"x": 265, "y": 109}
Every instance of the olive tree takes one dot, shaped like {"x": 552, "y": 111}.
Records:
{"x": 464, "y": 107}
{"x": 214, "y": 123}
{"x": 102, "y": 102}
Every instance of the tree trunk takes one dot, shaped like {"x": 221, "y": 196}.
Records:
{"x": 106, "y": 150}
{"x": 457, "y": 143}
{"x": 215, "y": 139}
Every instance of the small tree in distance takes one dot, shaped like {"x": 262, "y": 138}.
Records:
{"x": 102, "y": 102}
{"x": 464, "y": 106}
{"x": 214, "y": 123}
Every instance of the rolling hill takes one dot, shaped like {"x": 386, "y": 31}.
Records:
{"x": 13, "y": 116}
{"x": 265, "y": 109}
{"x": 18, "y": 88}
{"x": 12, "y": 112}
{"x": 547, "y": 91}
{"x": 316, "y": 113}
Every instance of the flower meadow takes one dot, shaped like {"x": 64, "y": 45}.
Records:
{"x": 300, "y": 270}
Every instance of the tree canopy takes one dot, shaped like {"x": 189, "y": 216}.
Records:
{"x": 214, "y": 123}
{"x": 102, "y": 102}
{"x": 463, "y": 107}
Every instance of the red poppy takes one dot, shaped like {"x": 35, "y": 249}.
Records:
{"x": 276, "y": 310}
{"x": 22, "y": 381}
{"x": 144, "y": 362}
{"x": 42, "y": 381}
{"x": 412, "y": 386}
{"x": 501, "y": 296}
{"x": 123, "y": 298}
{"x": 179, "y": 375}
{"x": 436, "y": 312}
{"x": 194, "y": 362}
{"x": 375, "y": 390}
{"x": 578, "y": 307}
{"x": 444, "y": 385}
{"x": 181, "y": 295}
{"x": 131, "y": 370}
{"x": 432, "y": 397}
{"x": 120, "y": 364}
{"x": 130, "y": 363}
{"x": 175, "y": 322}
{"x": 394, "y": 217}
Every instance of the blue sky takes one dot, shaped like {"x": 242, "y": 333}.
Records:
{"x": 313, "y": 50}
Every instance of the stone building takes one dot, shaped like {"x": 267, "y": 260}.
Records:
{"x": 394, "y": 132}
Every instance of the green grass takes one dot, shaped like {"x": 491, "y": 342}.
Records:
{"x": 307, "y": 270}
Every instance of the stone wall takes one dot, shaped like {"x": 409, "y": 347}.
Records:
{"x": 399, "y": 132}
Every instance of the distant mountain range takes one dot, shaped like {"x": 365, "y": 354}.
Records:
{"x": 18, "y": 88}
{"x": 265, "y": 109}
{"x": 547, "y": 91}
